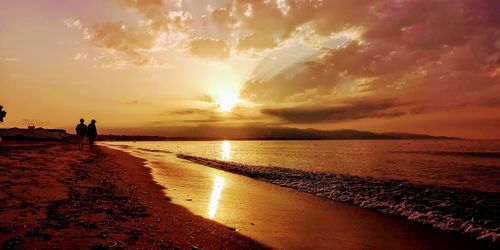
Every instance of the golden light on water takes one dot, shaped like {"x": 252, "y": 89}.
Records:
{"x": 214, "y": 198}
{"x": 225, "y": 150}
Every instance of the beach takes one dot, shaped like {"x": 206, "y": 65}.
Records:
{"x": 56, "y": 196}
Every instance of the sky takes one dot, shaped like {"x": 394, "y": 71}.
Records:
{"x": 146, "y": 65}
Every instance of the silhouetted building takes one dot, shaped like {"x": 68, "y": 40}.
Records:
{"x": 34, "y": 133}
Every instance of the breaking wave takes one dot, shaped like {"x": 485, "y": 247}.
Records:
{"x": 476, "y": 214}
{"x": 154, "y": 150}
{"x": 453, "y": 153}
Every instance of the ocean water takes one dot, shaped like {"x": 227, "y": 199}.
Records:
{"x": 449, "y": 184}
{"x": 466, "y": 164}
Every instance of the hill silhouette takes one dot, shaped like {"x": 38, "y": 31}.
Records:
{"x": 260, "y": 133}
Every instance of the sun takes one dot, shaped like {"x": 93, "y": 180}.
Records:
{"x": 226, "y": 100}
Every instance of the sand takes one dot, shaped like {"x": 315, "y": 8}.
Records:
{"x": 53, "y": 195}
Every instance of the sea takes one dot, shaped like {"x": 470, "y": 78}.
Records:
{"x": 449, "y": 184}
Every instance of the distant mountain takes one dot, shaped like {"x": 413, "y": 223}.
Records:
{"x": 418, "y": 136}
{"x": 349, "y": 134}
{"x": 262, "y": 133}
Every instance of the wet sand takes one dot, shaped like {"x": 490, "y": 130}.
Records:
{"x": 55, "y": 196}
{"x": 285, "y": 218}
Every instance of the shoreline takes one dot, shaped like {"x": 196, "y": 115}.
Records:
{"x": 55, "y": 196}
{"x": 286, "y": 218}
{"x": 446, "y": 210}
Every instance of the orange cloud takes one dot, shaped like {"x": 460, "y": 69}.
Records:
{"x": 209, "y": 48}
{"x": 162, "y": 26}
{"x": 431, "y": 55}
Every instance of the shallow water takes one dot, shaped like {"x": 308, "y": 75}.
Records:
{"x": 468, "y": 164}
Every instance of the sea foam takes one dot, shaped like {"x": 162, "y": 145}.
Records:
{"x": 476, "y": 214}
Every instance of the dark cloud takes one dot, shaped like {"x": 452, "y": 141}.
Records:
{"x": 350, "y": 111}
{"x": 222, "y": 17}
{"x": 205, "y": 98}
{"x": 209, "y": 48}
{"x": 133, "y": 102}
{"x": 491, "y": 102}
{"x": 194, "y": 116}
{"x": 137, "y": 102}
{"x": 192, "y": 111}
{"x": 431, "y": 52}
{"x": 256, "y": 41}
{"x": 211, "y": 115}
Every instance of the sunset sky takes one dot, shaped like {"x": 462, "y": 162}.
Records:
{"x": 141, "y": 65}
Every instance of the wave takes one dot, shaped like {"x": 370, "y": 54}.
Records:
{"x": 154, "y": 150}
{"x": 122, "y": 146}
{"x": 456, "y": 153}
{"x": 476, "y": 214}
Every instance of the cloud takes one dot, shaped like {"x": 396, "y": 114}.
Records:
{"x": 136, "y": 102}
{"x": 209, "y": 48}
{"x": 399, "y": 27}
{"x": 349, "y": 111}
{"x": 192, "y": 111}
{"x": 116, "y": 36}
{"x": 11, "y": 60}
{"x": 264, "y": 24}
{"x": 80, "y": 56}
{"x": 431, "y": 53}
{"x": 73, "y": 23}
{"x": 145, "y": 6}
{"x": 211, "y": 115}
{"x": 160, "y": 26}
{"x": 306, "y": 76}
{"x": 424, "y": 24}
{"x": 121, "y": 46}
{"x": 257, "y": 41}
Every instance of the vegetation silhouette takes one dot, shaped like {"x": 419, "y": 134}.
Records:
{"x": 2, "y": 113}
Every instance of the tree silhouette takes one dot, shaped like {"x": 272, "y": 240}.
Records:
{"x": 2, "y": 113}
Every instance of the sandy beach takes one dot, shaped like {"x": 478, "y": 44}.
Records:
{"x": 55, "y": 196}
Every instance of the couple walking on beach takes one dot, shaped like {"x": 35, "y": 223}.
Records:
{"x": 83, "y": 131}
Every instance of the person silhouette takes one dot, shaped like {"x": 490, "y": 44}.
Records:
{"x": 81, "y": 132}
{"x": 92, "y": 133}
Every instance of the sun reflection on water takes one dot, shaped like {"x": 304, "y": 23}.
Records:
{"x": 226, "y": 150}
{"x": 214, "y": 199}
